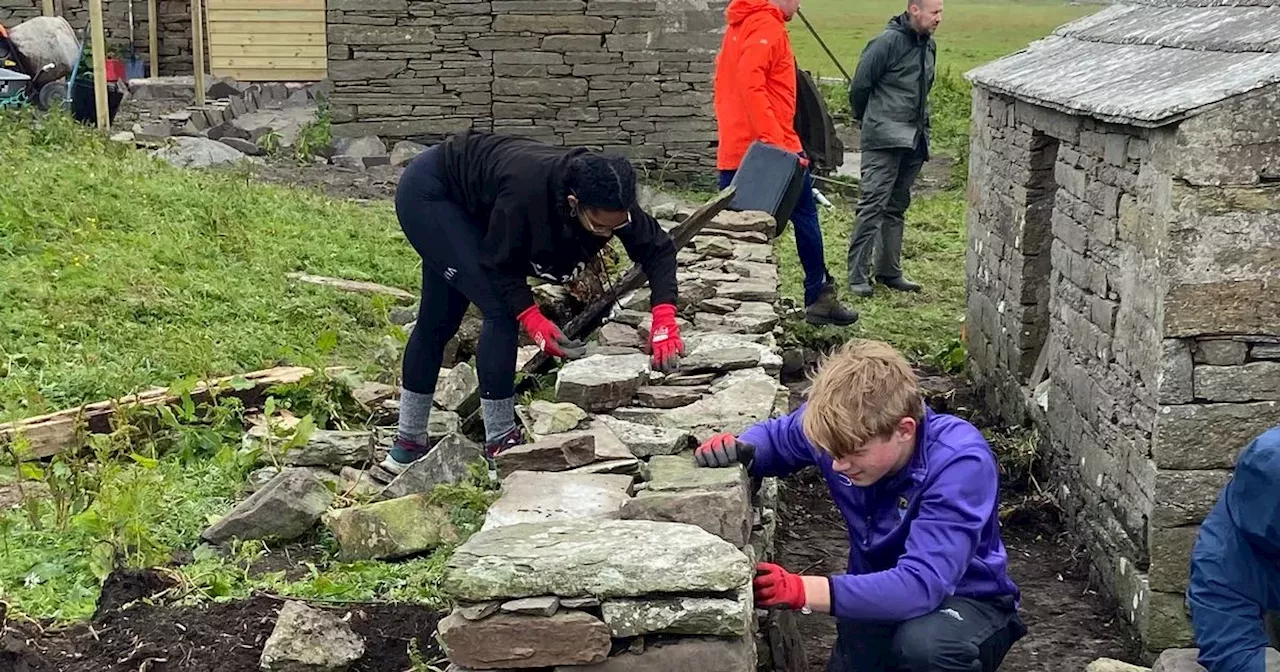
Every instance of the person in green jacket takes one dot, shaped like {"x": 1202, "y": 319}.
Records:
{"x": 889, "y": 97}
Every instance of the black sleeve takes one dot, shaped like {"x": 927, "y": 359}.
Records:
{"x": 871, "y": 67}
{"x": 506, "y": 256}
{"x": 650, "y": 246}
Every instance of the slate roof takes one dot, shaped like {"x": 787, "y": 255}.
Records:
{"x": 1145, "y": 62}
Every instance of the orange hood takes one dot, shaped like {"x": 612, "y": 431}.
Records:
{"x": 739, "y": 10}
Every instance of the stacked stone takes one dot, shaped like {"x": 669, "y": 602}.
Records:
{"x": 620, "y": 76}
{"x": 608, "y": 549}
{"x": 13, "y": 12}
{"x": 1158, "y": 333}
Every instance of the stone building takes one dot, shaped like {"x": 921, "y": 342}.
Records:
{"x": 630, "y": 76}
{"x": 1124, "y": 271}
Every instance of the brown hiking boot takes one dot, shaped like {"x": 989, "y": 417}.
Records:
{"x": 827, "y": 309}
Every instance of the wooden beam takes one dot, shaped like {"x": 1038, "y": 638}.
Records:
{"x": 48, "y": 8}
{"x": 357, "y": 286}
{"x": 99, "y": 46}
{"x": 153, "y": 37}
{"x": 197, "y": 49}
{"x": 594, "y": 314}
{"x": 55, "y": 432}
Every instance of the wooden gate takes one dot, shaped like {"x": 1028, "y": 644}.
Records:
{"x": 267, "y": 40}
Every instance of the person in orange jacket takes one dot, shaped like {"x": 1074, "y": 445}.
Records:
{"x": 755, "y": 99}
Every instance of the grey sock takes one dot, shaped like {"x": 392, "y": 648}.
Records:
{"x": 415, "y": 413}
{"x": 499, "y": 417}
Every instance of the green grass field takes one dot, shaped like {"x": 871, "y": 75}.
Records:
{"x": 972, "y": 31}
{"x": 118, "y": 272}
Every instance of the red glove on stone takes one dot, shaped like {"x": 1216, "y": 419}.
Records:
{"x": 547, "y": 335}
{"x": 776, "y": 587}
{"x": 723, "y": 450}
{"x": 664, "y": 338}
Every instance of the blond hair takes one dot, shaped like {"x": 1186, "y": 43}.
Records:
{"x": 859, "y": 393}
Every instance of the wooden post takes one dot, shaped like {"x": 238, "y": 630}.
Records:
{"x": 48, "y": 8}
{"x": 197, "y": 49}
{"x": 153, "y": 41}
{"x": 99, "y": 46}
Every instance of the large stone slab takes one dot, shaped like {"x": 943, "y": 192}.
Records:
{"x": 711, "y": 343}
{"x": 1255, "y": 381}
{"x": 554, "y": 453}
{"x": 732, "y": 409}
{"x": 724, "y": 512}
{"x": 668, "y": 397}
{"x": 609, "y": 446}
{"x": 601, "y": 383}
{"x": 326, "y": 448}
{"x": 448, "y": 462}
{"x": 285, "y": 508}
{"x": 647, "y": 440}
{"x": 1113, "y": 665}
{"x": 391, "y": 529}
{"x": 594, "y": 558}
{"x": 517, "y": 641}
{"x": 306, "y": 639}
{"x": 538, "y": 496}
{"x": 743, "y": 221}
{"x": 630, "y": 617}
{"x": 700, "y": 654}
{"x": 679, "y": 473}
{"x": 1209, "y": 436}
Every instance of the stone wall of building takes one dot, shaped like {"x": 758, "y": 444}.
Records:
{"x": 174, "y": 29}
{"x": 1153, "y": 313}
{"x": 632, "y": 76}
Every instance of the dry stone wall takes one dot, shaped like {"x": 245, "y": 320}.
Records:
{"x": 173, "y": 29}
{"x": 1121, "y": 272}
{"x": 608, "y": 549}
{"x": 632, "y": 77}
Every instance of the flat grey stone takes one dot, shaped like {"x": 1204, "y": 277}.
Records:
{"x": 703, "y": 654}
{"x": 743, "y": 221}
{"x": 716, "y": 247}
{"x": 330, "y": 448}
{"x": 646, "y": 440}
{"x": 689, "y": 379}
{"x": 554, "y": 453}
{"x": 579, "y": 603}
{"x": 285, "y": 508}
{"x": 732, "y": 410}
{"x": 565, "y": 558}
{"x": 478, "y": 611}
{"x": 719, "y": 306}
{"x": 537, "y": 497}
{"x": 306, "y": 639}
{"x": 369, "y": 145}
{"x": 448, "y": 462}
{"x": 630, "y": 617}
{"x": 520, "y": 641}
{"x": 533, "y": 606}
{"x": 454, "y": 388}
{"x": 668, "y": 397}
{"x": 620, "y": 335}
{"x": 724, "y": 512}
{"x": 679, "y": 473}
{"x": 405, "y": 151}
{"x": 188, "y": 152}
{"x": 601, "y": 383}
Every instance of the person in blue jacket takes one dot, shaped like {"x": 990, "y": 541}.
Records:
{"x": 1235, "y": 563}
{"x": 926, "y": 586}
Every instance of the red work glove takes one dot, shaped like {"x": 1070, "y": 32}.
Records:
{"x": 776, "y": 587}
{"x": 723, "y": 450}
{"x": 547, "y": 335}
{"x": 665, "y": 345}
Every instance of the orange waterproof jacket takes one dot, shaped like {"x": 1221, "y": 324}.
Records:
{"x": 755, "y": 83}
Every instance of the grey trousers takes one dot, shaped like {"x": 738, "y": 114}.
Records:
{"x": 887, "y": 177}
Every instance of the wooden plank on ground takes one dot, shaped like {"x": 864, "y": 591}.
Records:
{"x": 596, "y": 311}
{"x": 357, "y": 286}
{"x": 51, "y": 433}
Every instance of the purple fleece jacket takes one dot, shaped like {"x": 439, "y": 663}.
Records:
{"x": 915, "y": 537}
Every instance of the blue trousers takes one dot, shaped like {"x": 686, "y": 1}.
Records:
{"x": 804, "y": 218}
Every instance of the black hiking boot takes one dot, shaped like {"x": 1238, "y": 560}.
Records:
{"x": 827, "y": 309}
{"x": 899, "y": 283}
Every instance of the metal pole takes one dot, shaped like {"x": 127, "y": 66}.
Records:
{"x": 824, "y": 45}
{"x": 99, "y": 46}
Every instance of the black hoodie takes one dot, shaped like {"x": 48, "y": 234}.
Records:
{"x": 889, "y": 95}
{"x": 512, "y": 189}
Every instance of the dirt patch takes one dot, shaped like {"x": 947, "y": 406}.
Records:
{"x": 376, "y": 183}
{"x": 129, "y": 585}
{"x": 209, "y": 638}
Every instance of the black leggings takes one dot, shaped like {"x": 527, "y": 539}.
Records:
{"x": 449, "y": 245}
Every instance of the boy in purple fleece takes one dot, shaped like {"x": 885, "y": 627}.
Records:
{"x": 926, "y": 587}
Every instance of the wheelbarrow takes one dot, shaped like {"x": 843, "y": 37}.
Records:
{"x": 51, "y": 52}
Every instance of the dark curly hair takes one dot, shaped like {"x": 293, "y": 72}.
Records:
{"x": 603, "y": 181}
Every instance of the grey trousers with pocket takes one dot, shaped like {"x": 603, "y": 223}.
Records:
{"x": 887, "y": 178}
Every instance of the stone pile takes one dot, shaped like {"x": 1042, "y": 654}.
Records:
{"x": 608, "y": 549}
{"x": 630, "y": 77}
